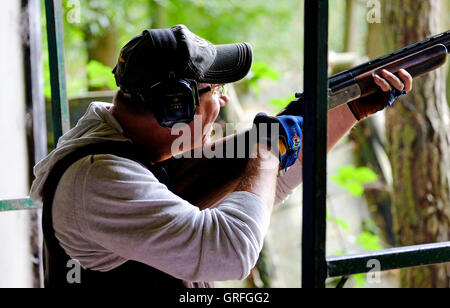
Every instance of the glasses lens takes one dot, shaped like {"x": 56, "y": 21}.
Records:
{"x": 216, "y": 89}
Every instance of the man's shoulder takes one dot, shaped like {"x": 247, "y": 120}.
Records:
{"x": 106, "y": 175}
{"x": 109, "y": 167}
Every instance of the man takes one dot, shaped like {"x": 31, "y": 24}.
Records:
{"x": 107, "y": 198}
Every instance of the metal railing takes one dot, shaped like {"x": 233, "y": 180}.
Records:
{"x": 60, "y": 106}
{"x": 315, "y": 266}
{"x": 315, "y": 144}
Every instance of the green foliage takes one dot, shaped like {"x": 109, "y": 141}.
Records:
{"x": 360, "y": 280}
{"x": 340, "y": 222}
{"x": 270, "y": 26}
{"x": 280, "y": 103}
{"x": 99, "y": 16}
{"x": 336, "y": 22}
{"x": 75, "y": 85}
{"x": 100, "y": 75}
{"x": 369, "y": 241}
{"x": 261, "y": 71}
{"x": 339, "y": 252}
{"x": 261, "y": 22}
{"x": 47, "y": 87}
{"x": 353, "y": 179}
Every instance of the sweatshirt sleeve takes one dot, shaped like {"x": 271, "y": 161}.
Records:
{"x": 288, "y": 182}
{"x": 127, "y": 211}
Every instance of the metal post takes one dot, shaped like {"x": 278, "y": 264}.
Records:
{"x": 314, "y": 268}
{"x": 36, "y": 122}
{"x": 55, "y": 37}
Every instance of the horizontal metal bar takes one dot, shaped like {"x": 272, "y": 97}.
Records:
{"x": 19, "y": 204}
{"x": 388, "y": 259}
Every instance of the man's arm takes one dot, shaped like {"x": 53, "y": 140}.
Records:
{"x": 260, "y": 176}
{"x": 341, "y": 119}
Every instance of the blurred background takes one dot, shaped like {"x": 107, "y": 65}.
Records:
{"x": 388, "y": 179}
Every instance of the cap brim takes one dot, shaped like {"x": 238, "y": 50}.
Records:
{"x": 232, "y": 63}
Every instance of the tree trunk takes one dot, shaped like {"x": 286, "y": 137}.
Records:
{"x": 418, "y": 140}
{"x": 365, "y": 138}
{"x": 350, "y": 43}
{"x": 375, "y": 43}
{"x": 448, "y": 87}
{"x": 103, "y": 48}
{"x": 445, "y": 11}
{"x": 157, "y": 14}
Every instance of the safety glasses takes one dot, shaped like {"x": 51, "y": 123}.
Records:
{"x": 218, "y": 88}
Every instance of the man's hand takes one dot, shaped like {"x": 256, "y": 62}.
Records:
{"x": 392, "y": 87}
{"x": 289, "y": 139}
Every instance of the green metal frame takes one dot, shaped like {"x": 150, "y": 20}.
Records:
{"x": 316, "y": 268}
{"x": 60, "y": 106}
{"x": 389, "y": 259}
{"x": 18, "y": 204}
{"x": 315, "y": 144}
{"x": 55, "y": 37}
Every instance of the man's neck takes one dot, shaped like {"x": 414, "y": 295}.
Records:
{"x": 146, "y": 134}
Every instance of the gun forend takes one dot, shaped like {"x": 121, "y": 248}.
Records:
{"x": 345, "y": 78}
{"x": 416, "y": 64}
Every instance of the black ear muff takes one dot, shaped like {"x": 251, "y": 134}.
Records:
{"x": 174, "y": 101}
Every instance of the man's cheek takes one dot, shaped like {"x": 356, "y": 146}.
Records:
{"x": 210, "y": 115}
{"x": 214, "y": 115}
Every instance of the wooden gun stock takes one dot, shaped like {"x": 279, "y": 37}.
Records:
{"x": 206, "y": 181}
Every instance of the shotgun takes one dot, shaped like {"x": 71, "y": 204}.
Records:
{"x": 206, "y": 181}
{"x": 418, "y": 59}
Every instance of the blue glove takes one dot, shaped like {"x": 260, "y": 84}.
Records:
{"x": 290, "y": 135}
{"x": 394, "y": 94}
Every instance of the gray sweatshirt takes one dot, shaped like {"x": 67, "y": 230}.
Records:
{"x": 109, "y": 210}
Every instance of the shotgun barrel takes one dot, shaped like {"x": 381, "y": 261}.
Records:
{"x": 418, "y": 59}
